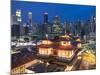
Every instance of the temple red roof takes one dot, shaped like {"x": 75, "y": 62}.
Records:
{"x": 64, "y": 39}
{"x": 57, "y": 47}
{"x": 45, "y": 46}
{"x": 64, "y": 47}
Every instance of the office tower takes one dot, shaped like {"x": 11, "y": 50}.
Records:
{"x": 19, "y": 20}
{"x": 46, "y": 24}
{"x": 92, "y": 28}
{"x": 30, "y": 18}
{"x": 13, "y": 19}
{"x": 93, "y": 24}
{"x": 82, "y": 30}
{"x": 15, "y": 30}
{"x": 87, "y": 27}
{"x": 73, "y": 29}
{"x": 65, "y": 27}
{"x": 68, "y": 27}
{"x": 29, "y": 23}
{"x": 78, "y": 27}
{"x": 35, "y": 28}
{"x": 15, "y": 24}
{"x": 18, "y": 16}
{"x": 26, "y": 29}
{"x": 45, "y": 17}
{"x": 56, "y": 27}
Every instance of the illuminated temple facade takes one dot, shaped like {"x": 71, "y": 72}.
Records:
{"x": 62, "y": 48}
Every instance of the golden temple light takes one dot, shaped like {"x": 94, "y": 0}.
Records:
{"x": 78, "y": 40}
{"x": 46, "y": 42}
{"x": 79, "y": 45}
{"x": 65, "y": 36}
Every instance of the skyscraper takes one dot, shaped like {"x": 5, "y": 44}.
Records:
{"x": 30, "y": 18}
{"x": 56, "y": 27}
{"x": 45, "y": 17}
{"x": 13, "y": 19}
{"x": 68, "y": 27}
{"x": 15, "y": 30}
{"x": 82, "y": 30}
{"x": 29, "y": 23}
{"x": 94, "y": 21}
{"x": 26, "y": 29}
{"x": 46, "y": 24}
{"x": 93, "y": 24}
{"x": 18, "y": 16}
{"x": 78, "y": 27}
{"x": 15, "y": 24}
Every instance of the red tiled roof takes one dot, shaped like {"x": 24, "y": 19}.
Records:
{"x": 44, "y": 46}
{"x": 64, "y": 39}
{"x": 64, "y": 47}
{"x": 45, "y": 39}
{"x": 71, "y": 47}
{"x": 54, "y": 40}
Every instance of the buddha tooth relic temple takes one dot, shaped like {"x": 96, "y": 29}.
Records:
{"x": 62, "y": 48}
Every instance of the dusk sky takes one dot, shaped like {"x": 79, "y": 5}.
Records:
{"x": 64, "y": 11}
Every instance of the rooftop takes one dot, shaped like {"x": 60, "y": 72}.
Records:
{"x": 21, "y": 58}
{"x": 70, "y": 47}
{"x": 38, "y": 68}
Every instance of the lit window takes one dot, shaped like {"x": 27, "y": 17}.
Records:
{"x": 59, "y": 53}
{"x": 46, "y": 42}
{"x": 18, "y": 13}
{"x": 79, "y": 45}
{"x": 42, "y": 52}
{"x": 69, "y": 43}
{"x": 69, "y": 54}
{"x": 63, "y": 53}
{"x": 49, "y": 51}
{"x": 64, "y": 43}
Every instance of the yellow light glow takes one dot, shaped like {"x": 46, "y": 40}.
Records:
{"x": 79, "y": 45}
{"x": 45, "y": 51}
{"x": 64, "y": 43}
{"x": 89, "y": 57}
{"x": 66, "y": 36}
{"x": 70, "y": 53}
{"x": 18, "y": 13}
{"x": 46, "y": 42}
{"x": 69, "y": 43}
{"x": 78, "y": 40}
{"x": 79, "y": 57}
{"x": 65, "y": 53}
{"x": 19, "y": 70}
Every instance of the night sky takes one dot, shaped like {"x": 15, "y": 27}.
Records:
{"x": 68, "y": 12}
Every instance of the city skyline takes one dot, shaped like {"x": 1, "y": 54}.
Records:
{"x": 73, "y": 13}
{"x": 51, "y": 37}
